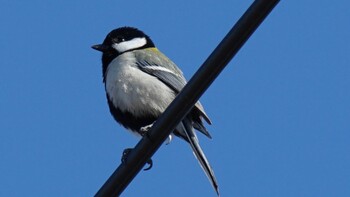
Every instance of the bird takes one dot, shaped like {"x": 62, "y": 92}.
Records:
{"x": 140, "y": 82}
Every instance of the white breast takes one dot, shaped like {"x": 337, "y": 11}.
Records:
{"x": 133, "y": 90}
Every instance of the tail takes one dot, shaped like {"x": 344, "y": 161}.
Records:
{"x": 199, "y": 154}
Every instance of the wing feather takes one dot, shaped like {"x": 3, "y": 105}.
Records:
{"x": 166, "y": 71}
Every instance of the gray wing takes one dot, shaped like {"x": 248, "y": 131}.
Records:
{"x": 171, "y": 79}
{"x": 157, "y": 64}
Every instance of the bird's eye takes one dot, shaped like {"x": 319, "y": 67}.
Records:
{"x": 118, "y": 39}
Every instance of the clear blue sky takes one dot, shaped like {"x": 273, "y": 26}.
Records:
{"x": 280, "y": 110}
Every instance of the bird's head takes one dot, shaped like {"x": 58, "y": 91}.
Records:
{"x": 122, "y": 40}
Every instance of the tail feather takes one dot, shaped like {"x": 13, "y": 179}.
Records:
{"x": 199, "y": 154}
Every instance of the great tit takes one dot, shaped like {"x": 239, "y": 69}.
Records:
{"x": 140, "y": 82}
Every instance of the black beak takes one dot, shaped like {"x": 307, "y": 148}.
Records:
{"x": 100, "y": 47}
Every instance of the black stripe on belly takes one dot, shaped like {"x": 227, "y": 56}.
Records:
{"x": 128, "y": 120}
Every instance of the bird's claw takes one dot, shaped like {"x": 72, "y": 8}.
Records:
{"x": 144, "y": 130}
{"x": 150, "y": 164}
{"x": 168, "y": 140}
{"x": 125, "y": 155}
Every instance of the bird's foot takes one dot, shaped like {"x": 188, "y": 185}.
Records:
{"x": 144, "y": 130}
{"x": 150, "y": 164}
{"x": 168, "y": 140}
{"x": 125, "y": 155}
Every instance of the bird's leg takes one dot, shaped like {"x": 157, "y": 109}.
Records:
{"x": 144, "y": 131}
{"x": 125, "y": 155}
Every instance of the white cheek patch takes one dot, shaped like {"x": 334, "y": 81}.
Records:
{"x": 128, "y": 45}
